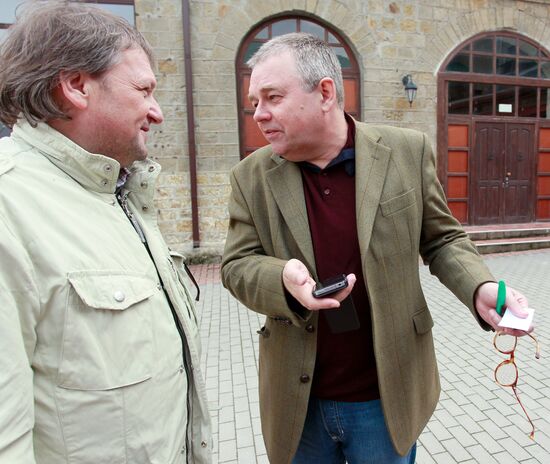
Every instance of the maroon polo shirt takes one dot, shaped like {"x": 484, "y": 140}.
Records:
{"x": 345, "y": 368}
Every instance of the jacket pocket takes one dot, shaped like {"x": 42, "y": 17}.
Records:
{"x": 394, "y": 230}
{"x": 423, "y": 321}
{"x": 107, "y": 336}
{"x": 399, "y": 203}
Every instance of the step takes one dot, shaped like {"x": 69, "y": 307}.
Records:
{"x": 508, "y": 233}
{"x": 505, "y": 245}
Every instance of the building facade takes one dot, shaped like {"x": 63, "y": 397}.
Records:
{"x": 481, "y": 67}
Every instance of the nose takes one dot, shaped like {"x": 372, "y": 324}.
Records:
{"x": 155, "y": 113}
{"x": 261, "y": 113}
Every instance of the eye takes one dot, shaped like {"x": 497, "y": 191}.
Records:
{"x": 274, "y": 98}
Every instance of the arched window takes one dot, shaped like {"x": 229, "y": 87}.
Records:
{"x": 515, "y": 62}
{"x": 250, "y": 136}
{"x": 494, "y": 129}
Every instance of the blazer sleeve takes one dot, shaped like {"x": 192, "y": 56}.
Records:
{"x": 444, "y": 245}
{"x": 250, "y": 275}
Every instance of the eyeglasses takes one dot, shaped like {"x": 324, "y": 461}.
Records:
{"x": 506, "y": 373}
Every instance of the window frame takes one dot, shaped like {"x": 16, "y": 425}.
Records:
{"x": 494, "y": 78}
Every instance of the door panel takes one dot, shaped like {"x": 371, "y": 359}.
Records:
{"x": 487, "y": 166}
{"x": 519, "y": 173}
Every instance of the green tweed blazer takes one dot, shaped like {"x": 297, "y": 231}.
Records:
{"x": 401, "y": 214}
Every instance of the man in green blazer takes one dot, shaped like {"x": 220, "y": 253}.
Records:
{"x": 332, "y": 195}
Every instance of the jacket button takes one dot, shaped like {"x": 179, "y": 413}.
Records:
{"x": 304, "y": 378}
{"x": 119, "y": 296}
{"x": 310, "y": 328}
{"x": 204, "y": 444}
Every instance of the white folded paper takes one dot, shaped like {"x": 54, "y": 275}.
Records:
{"x": 513, "y": 322}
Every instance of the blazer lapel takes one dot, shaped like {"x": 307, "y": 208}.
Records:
{"x": 371, "y": 164}
{"x": 285, "y": 182}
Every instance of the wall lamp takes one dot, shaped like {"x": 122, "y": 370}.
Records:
{"x": 410, "y": 88}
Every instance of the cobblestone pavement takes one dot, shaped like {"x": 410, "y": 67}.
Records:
{"x": 477, "y": 421}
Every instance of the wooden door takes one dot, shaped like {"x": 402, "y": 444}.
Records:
{"x": 503, "y": 173}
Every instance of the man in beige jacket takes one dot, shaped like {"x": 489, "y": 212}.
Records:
{"x": 99, "y": 349}
{"x": 330, "y": 196}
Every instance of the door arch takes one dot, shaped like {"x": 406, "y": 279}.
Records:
{"x": 494, "y": 129}
{"x": 250, "y": 137}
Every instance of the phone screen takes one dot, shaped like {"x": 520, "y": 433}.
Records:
{"x": 330, "y": 285}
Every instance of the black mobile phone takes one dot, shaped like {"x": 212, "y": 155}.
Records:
{"x": 331, "y": 285}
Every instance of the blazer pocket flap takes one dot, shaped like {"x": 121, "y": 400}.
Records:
{"x": 423, "y": 321}
{"x": 396, "y": 204}
{"x": 111, "y": 290}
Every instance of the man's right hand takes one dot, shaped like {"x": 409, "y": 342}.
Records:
{"x": 300, "y": 284}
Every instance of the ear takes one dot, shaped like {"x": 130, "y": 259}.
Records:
{"x": 74, "y": 87}
{"x": 328, "y": 93}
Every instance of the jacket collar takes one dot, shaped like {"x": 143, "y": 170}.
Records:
{"x": 93, "y": 171}
{"x": 285, "y": 182}
{"x": 371, "y": 166}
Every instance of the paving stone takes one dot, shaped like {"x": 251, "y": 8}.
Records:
{"x": 242, "y": 420}
{"x": 431, "y": 444}
{"x": 469, "y": 424}
{"x": 226, "y": 431}
{"x": 456, "y": 450}
{"x": 247, "y": 455}
{"x": 444, "y": 458}
{"x": 488, "y": 442}
{"x": 481, "y": 455}
{"x": 245, "y": 438}
{"x": 439, "y": 430}
{"x": 227, "y": 451}
{"x": 476, "y": 421}
{"x": 462, "y": 436}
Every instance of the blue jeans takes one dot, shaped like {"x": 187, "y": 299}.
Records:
{"x": 336, "y": 432}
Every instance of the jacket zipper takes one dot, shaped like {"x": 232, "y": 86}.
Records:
{"x": 123, "y": 201}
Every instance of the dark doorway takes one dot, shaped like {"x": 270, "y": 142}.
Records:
{"x": 503, "y": 172}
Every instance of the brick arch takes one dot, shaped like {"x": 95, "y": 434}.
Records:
{"x": 463, "y": 27}
{"x": 235, "y": 24}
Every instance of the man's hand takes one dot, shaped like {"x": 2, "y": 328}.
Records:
{"x": 300, "y": 284}
{"x": 485, "y": 303}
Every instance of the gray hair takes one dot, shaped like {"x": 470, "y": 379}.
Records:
{"x": 314, "y": 58}
{"x": 53, "y": 36}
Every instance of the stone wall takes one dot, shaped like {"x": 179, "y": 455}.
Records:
{"x": 390, "y": 39}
